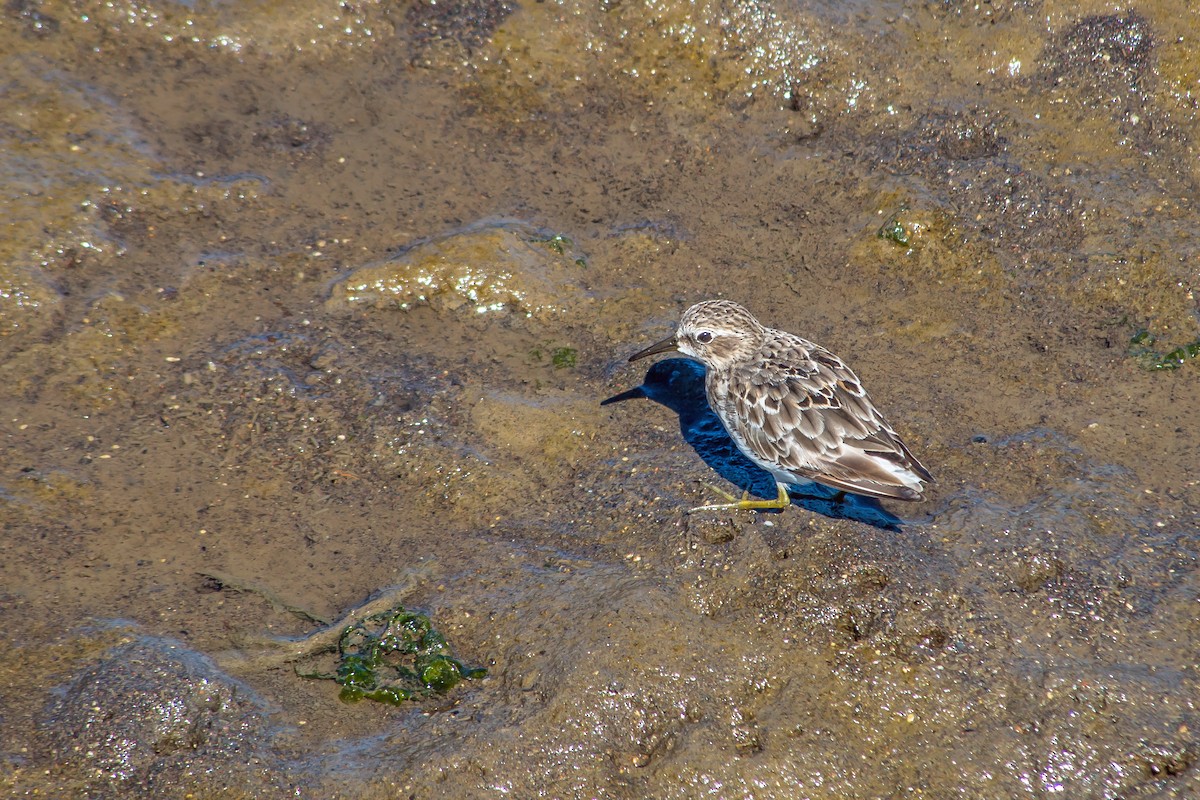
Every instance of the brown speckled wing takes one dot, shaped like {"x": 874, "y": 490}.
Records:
{"x": 804, "y": 411}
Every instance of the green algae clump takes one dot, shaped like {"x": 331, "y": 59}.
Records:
{"x": 394, "y": 656}
{"x": 1141, "y": 348}
{"x": 893, "y": 230}
{"x": 564, "y": 357}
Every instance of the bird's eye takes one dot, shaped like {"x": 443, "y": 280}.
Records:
{"x": 703, "y": 337}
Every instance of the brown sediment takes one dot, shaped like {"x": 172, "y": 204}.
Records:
{"x": 185, "y": 388}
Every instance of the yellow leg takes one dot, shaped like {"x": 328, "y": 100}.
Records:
{"x": 782, "y": 501}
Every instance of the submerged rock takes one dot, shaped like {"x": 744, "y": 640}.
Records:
{"x": 506, "y": 266}
{"x": 151, "y": 714}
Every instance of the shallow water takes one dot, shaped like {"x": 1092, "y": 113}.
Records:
{"x": 323, "y": 299}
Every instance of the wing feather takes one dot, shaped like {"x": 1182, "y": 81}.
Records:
{"x": 801, "y": 411}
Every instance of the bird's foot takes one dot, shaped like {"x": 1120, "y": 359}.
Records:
{"x": 745, "y": 503}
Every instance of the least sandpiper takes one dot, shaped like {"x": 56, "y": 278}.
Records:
{"x": 794, "y": 408}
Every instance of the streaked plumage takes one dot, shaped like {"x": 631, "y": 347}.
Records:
{"x": 792, "y": 407}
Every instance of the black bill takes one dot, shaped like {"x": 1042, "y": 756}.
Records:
{"x": 664, "y": 346}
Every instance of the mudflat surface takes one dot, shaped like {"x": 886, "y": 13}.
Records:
{"x": 303, "y": 301}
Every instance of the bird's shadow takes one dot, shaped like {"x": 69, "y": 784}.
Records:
{"x": 678, "y": 384}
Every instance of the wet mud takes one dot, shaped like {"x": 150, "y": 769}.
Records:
{"x": 301, "y": 304}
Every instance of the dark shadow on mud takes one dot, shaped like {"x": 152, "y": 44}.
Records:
{"x": 678, "y": 384}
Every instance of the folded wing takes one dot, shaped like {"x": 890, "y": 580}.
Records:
{"x": 809, "y": 416}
